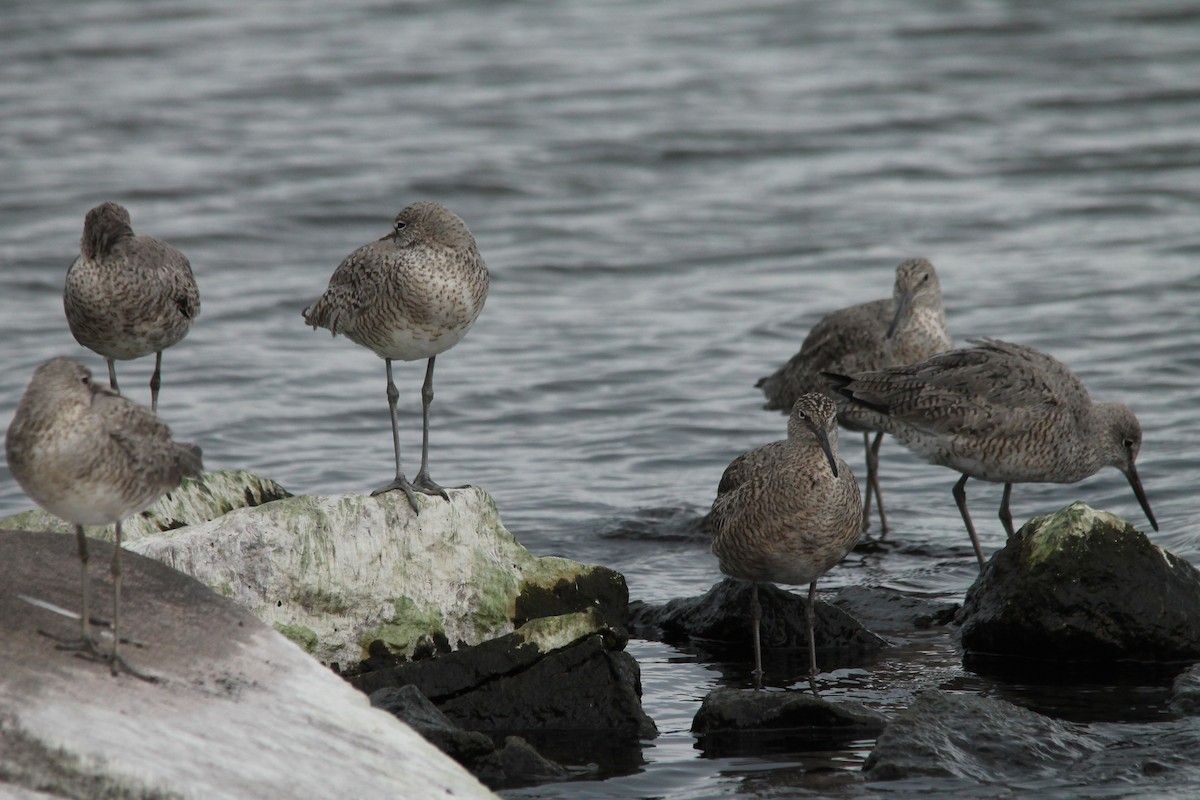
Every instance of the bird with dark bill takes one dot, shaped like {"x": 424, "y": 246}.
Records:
{"x": 999, "y": 412}
{"x": 909, "y": 326}
{"x": 410, "y": 295}
{"x": 787, "y": 512}
{"x": 127, "y": 296}
{"x": 92, "y": 457}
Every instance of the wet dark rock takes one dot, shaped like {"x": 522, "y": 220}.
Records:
{"x": 1083, "y": 585}
{"x": 976, "y": 738}
{"x": 880, "y": 609}
{"x": 515, "y": 764}
{"x": 599, "y": 587}
{"x": 1185, "y": 692}
{"x": 748, "y": 721}
{"x": 723, "y": 615}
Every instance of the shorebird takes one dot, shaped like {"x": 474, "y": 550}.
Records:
{"x": 787, "y": 512}
{"x": 1000, "y": 412}
{"x": 411, "y": 294}
{"x": 92, "y": 457}
{"x": 126, "y": 295}
{"x": 908, "y": 327}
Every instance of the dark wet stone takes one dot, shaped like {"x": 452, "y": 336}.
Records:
{"x": 977, "y": 738}
{"x": 1185, "y": 692}
{"x": 748, "y": 721}
{"x": 517, "y": 763}
{"x": 879, "y": 609}
{"x": 599, "y": 587}
{"x": 723, "y": 615}
{"x": 1082, "y": 585}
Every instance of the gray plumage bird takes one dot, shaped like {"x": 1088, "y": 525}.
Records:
{"x": 908, "y": 327}
{"x": 409, "y": 295}
{"x": 127, "y": 296}
{"x": 787, "y": 512}
{"x": 92, "y": 457}
{"x": 1000, "y": 412}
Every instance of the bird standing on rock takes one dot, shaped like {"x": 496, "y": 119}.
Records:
{"x": 787, "y": 512}
{"x": 92, "y": 457}
{"x": 999, "y": 412}
{"x": 127, "y": 296}
{"x": 409, "y": 295}
{"x": 908, "y": 327}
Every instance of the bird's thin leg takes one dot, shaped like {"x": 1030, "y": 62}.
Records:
{"x": 866, "y": 518}
{"x": 810, "y": 615}
{"x": 116, "y": 663}
{"x": 873, "y": 479}
{"x": 960, "y": 497}
{"x": 400, "y": 482}
{"x": 112, "y": 375}
{"x": 756, "y": 617}
{"x": 423, "y": 482}
{"x": 85, "y": 644}
{"x": 1005, "y": 512}
{"x": 156, "y": 381}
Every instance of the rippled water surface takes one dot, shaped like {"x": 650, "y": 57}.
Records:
{"x": 668, "y": 196}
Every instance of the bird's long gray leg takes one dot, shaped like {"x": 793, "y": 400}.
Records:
{"x": 960, "y": 497}
{"x": 866, "y": 519}
{"x": 756, "y": 617}
{"x": 112, "y": 375}
{"x": 116, "y": 663}
{"x": 423, "y": 482}
{"x": 873, "y": 480}
{"x": 400, "y": 482}
{"x": 156, "y": 381}
{"x": 1005, "y": 512}
{"x": 810, "y": 616}
{"x": 85, "y": 644}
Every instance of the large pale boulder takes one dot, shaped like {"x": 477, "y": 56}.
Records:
{"x": 235, "y": 710}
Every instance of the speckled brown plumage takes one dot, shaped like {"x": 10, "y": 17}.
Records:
{"x": 127, "y": 296}
{"x": 411, "y": 294}
{"x": 1000, "y": 412}
{"x": 788, "y": 511}
{"x": 92, "y": 457}
{"x": 906, "y": 328}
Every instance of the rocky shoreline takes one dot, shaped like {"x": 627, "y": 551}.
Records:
{"x": 515, "y": 666}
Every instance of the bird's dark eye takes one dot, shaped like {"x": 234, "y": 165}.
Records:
{"x": 86, "y": 380}
{"x": 400, "y": 224}
{"x": 1128, "y": 444}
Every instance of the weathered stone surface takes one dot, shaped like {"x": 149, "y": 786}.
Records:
{"x": 1082, "y": 585}
{"x": 881, "y": 609}
{"x": 723, "y": 615}
{"x": 1185, "y": 692}
{"x": 732, "y": 721}
{"x": 236, "y": 711}
{"x": 196, "y": 500}
{"x": 553, "y": 674}
{"x": 977, "y": 738}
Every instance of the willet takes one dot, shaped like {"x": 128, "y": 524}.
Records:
{"x": 1000, "y": 412}
{"x": 882, "y": 333}
{"x": 92, "y": 457}
{"x": 410, "y": 295}
{"x": 787, "y": 512}
{"x": 128, "y": 296}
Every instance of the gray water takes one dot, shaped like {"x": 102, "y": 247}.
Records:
{"x": 668, "y": 196}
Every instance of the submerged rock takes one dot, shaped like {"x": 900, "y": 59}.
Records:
{"x": 737, "y": 721}
{"x": 1083, "y": 585}
{"x": 881, "y": 609}
{"x": 722, "y": 615}
{"x": 976, "y": 738}
{"x": 235, "y": 711}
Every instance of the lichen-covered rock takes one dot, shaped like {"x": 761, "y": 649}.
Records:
{"x": 977, "y": 738}
{"x": 197, "y": 500}
{"x": 1083, "y": 585}
{"x": 336, "y": 574}
{"x": 737, "y": 721}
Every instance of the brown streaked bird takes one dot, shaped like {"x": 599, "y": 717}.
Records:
{"x": 787, "y": 512}
{"x": 409, "y": 295}
{"x": 908, "y": 327}
{"x": 92, "y": 457}
{"x": 1000, "y": 412}
{"x": 127, "y": 296}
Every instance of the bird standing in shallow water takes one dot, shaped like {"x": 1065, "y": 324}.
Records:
{"x": 787, "y": 512}
{"x": 412, "y": 294}
{"x": 882, "y": 333}
{"x": 127, "y": 296}
{"x": 92, "y": 457}
{"x": 1000, "y": 412}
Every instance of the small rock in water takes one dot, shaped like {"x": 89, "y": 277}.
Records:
{"x": 880, "y": 609}
{"x": 1083, "y": 585}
